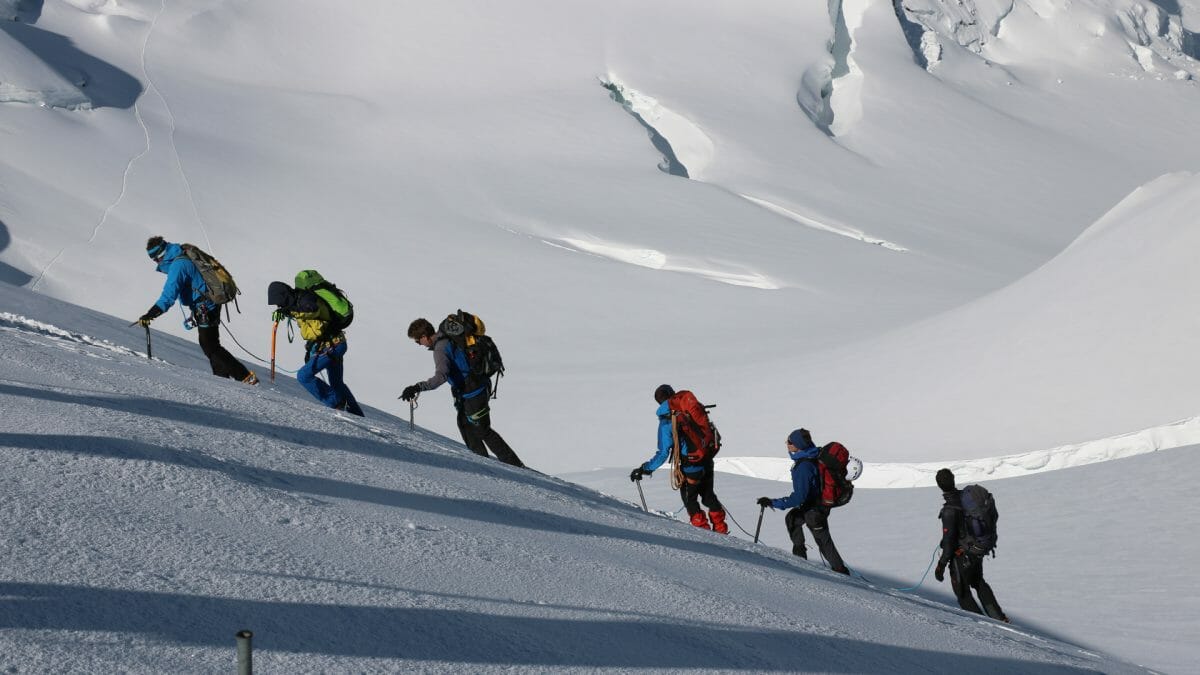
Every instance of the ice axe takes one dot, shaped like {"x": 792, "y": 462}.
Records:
{"x": 147, "y": 327}
{"x": 758, "y": 528}
{"x": 274, "y": 331}
{"x": 412, "y": 407}
{"x": 641, "y": 494}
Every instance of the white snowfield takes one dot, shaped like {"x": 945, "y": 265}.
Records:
{"x": 151, "y": 510}
{"x": 943, "y": 232}
{"x": 827, "y": 263}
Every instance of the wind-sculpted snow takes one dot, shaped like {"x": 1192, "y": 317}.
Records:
{"x": 816, "y": 224}
{"x": 657, "y": 260}
{"x": 903, "y": 475}
{"x": 25, "y": 78}
{"x": 20, "y": 324}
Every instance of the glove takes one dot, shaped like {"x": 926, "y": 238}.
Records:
{"x": 410, "y": 392}
{"x": 765, "y": 502}
{"x": 153, "y": 313}
{"x": 940, "y": 572}
{"x": 638, "y": 473}
{"x": 279, "y": 315}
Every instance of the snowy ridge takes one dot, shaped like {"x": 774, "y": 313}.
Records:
{"x": 14, "y": 322}
{"x": 904, "y": 475}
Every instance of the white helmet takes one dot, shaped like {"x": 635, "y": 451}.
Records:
{"x": 854, "y": 468}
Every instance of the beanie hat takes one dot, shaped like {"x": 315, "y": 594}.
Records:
{"x": 800, "y": 439}
{"x": 664, "y": 392}
{"x": 945, "y": 480}
{"x": 155, "y": 246}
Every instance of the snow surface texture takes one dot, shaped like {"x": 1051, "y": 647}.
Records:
{"x": 150, "y": 511}
{"x": 1081, "y": 555}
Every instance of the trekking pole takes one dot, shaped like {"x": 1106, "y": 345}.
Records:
{"x": 274, "y": 331}
{"x": 758, "y": 528}
{"x": 642, "y": 495}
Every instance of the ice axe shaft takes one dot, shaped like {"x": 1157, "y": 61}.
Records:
{"x": 412, "y": 407}
{"x": 758, "y": 528}
{"x": 641, "y": 494}
{"x": 149, "y": 355}
{"x": 274, "y": 332}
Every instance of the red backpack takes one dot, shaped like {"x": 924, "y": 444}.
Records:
{"x": 691, "y": 418}
{"x": 836, "y": 490}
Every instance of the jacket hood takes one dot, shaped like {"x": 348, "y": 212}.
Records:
{"x": 172, "y": 252}
{"x": 279, "y": 294}
{"x": 664, "y": 409}
{"x": 810, "y": 452}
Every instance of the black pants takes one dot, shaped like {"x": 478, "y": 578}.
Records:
{"x": 222, "y": 362}
{"x": 698, "y": 488}
{"x": 817, "y": 519}
{"x": 966, "y": 573}
{"x": 475, "y": 425}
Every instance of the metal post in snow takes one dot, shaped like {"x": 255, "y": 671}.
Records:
{"x": 245, "y": 658}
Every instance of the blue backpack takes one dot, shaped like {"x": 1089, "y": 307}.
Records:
{"x": 977, "y": 535}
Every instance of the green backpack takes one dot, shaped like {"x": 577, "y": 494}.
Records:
{"x": 339, "y": 304}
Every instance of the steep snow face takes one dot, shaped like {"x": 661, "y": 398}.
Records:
{"x": 151, "y": 510}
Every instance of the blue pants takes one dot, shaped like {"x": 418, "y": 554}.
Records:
{"x": 336, "y": 393}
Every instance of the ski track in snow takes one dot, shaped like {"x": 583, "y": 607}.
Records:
{"x": 900, "y": 475}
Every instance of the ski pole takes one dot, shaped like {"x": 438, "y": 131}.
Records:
{"x": 758, "y": 528}
{"x": 642, "y": 495}
{"x": 274, "y": 331}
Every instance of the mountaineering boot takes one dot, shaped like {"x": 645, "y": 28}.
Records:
{"x": 800, "y": 550}
{"x": 250, "y": 378}
{"x": 718, "y": 522}
{"x": 699, "y": 520}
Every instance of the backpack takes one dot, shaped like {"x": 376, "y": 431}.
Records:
{"x": 977, "y": 535}
{"x": 220, "y": 286}
{"x": 467, "y": 332}
{"x": 692, "y": 420}
{"x": 339, "y": 305}
{"x": 836, "y": 489}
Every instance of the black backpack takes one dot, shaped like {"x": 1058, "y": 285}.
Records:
{"x": 467, "y": 332}
{"x": 977, "y": 535}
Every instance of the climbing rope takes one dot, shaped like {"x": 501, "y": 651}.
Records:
{"x": 251, "y": 354}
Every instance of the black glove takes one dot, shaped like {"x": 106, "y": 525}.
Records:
{"x": 638, "y": 473}
{"x": 940, "y": 572}
{"x": 150, "y": 315}
{"x": 410, "y": 392}
{"x": 764, "y": 502}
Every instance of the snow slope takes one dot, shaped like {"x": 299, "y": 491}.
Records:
{"x": 1082, "y": 556}
{"x": 150, "y": 511}
{"x": 429, "y": 157}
